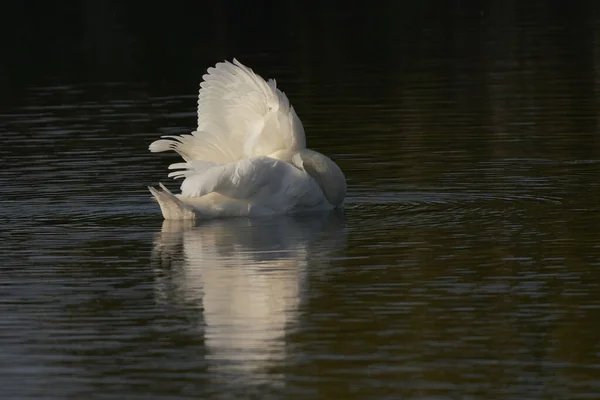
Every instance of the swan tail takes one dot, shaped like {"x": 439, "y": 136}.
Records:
{"x": 172, "y": 208}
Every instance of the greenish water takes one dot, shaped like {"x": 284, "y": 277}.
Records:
{"x": 463, "y": 266}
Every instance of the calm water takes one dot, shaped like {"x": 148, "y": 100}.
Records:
{"x": 465, "y": 264}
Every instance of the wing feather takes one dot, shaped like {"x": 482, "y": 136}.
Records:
{"x": 263, "y": 181}
{"x": 240, "y": 115}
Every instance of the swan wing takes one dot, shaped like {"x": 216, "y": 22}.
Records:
{"x": 260, "y": 181}
{"x": 240, "y": 115}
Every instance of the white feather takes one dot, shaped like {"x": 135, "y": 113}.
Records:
{"x": 248, "y": 154}
{"x": 239, "y": 116}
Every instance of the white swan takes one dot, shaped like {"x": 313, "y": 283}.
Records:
{"x": 248, "y": 156}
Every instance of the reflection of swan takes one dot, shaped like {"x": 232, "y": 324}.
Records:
{"x": 248, "y": 277}
{"x": 248, "y": 155}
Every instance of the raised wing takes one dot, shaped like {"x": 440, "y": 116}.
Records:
{"x": 239, "y": 116}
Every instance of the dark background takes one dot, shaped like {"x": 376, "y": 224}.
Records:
{"x": 98, "y": 40}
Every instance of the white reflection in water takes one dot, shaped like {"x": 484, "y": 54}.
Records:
{"x": 247, "y": 279}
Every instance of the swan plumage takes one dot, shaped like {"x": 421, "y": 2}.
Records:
{"x": 248, "y": 154}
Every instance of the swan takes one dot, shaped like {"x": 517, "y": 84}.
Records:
{"x": 248, "y": 155}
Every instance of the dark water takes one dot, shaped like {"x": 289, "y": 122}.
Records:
{"x": 465, "y": 264}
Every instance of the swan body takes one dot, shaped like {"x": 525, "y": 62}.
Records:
{"x": 248, "y": 155}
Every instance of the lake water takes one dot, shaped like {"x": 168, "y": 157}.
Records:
{"x": 464, "y": 264}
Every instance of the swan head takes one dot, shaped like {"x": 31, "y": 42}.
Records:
{"x": 325, "y": 172}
